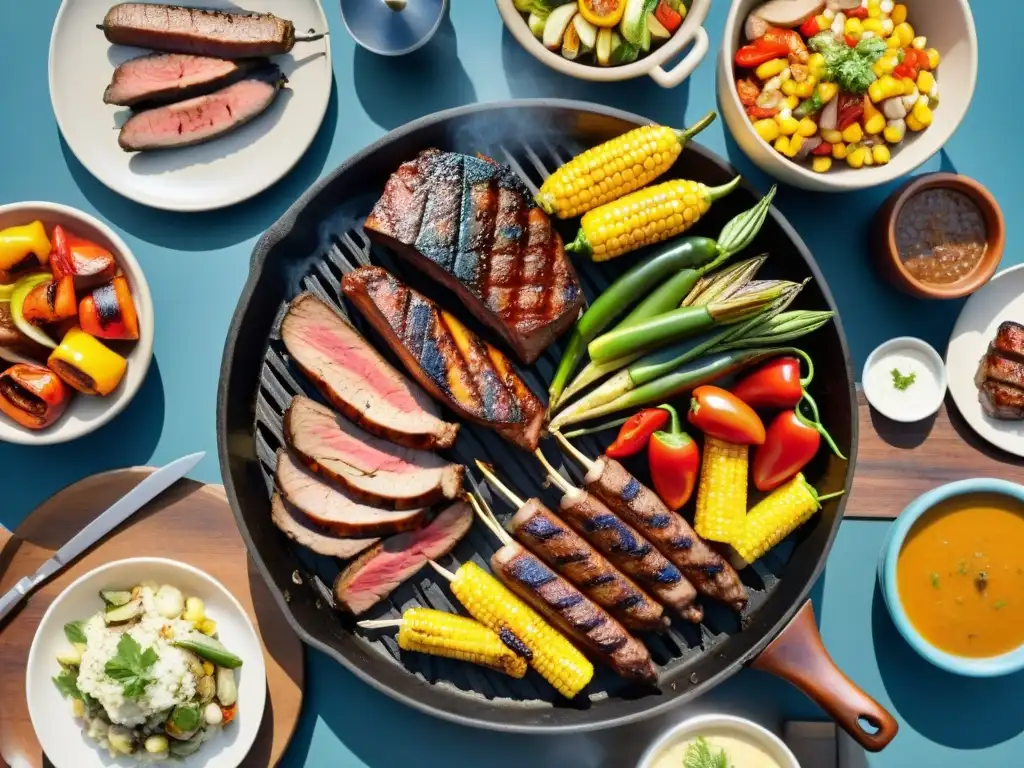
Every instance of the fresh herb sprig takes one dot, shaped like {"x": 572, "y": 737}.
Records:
{"x": 130, "y": 665}
{"x": 902, "y": 382}
{"x": 74, "y": 632}
{"x": 850, "y": 67}
{"x": 700, "y": 755}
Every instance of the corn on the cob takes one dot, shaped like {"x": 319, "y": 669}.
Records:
{"x": 438, "y": 633}
{"x": 775, "y": 517}
{"x": 613, "y": 169}
{"x": 722, "y": 492}
{"x": 492, "y": 604}
{"x": 645, "y": 217}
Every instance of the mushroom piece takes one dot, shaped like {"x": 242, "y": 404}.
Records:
{"x": 790, "y": 13}
{"x": 842, "y": 5}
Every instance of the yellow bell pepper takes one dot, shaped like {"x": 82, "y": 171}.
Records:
{"x": 18, "y": 244}
{"x": 85, "y": 364}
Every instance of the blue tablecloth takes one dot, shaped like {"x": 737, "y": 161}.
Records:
{"x": 196, "y": 265}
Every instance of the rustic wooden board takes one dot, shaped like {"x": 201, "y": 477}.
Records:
{"x": 190, "y": 522}
{"x": 898, "y": 462}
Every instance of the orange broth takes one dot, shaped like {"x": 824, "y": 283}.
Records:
{"x": 960, "y": 575}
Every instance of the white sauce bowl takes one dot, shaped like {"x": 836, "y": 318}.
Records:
{"x": 741, "y": 728}
{"x": 909, "y": 355}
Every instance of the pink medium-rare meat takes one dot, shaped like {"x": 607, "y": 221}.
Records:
{"x": 206, "y": 32}
{"x": 312, "y": 538}
{"x": 473, "y": 225}
{"x": 333, "y": 509}
{"x": 372, "y": 470}
{"x": 203, "y": 118}
{"x": 456, "y": 367}
{"x": 163, "y": 78}
{"x": 356, "y": 380}
{"x": 379, "y": 571}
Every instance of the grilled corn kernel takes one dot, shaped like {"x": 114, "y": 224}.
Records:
{"x": 722, "y": 493}
{"x": 208, "y": 627}
{"x": 905, "y": 33}
{"x": 788, "y": 126}
{"x": 880, "y": 154}
{"x": 913, "y": 123}
{"x": 78, "y": 708}
{"x": 899, "y": 13}
{"x": 853, "y": 28}
{"x": 855, "y": 157}
{"x": 832, "y": 137}
{"x": 775, "y": 517}
{"x": 920, "y": 42}
{"x": 195, "y": 611}
{"x": 805, "y": 89}
{"x": 827, "y": 92}
{"x": 781, "y": 145}
{"x": 807, "y": 127}
{"x": 792, "y": 102}
{"x": 208, "y": 669}
{"x": 908, "y": 86}
{"x": 894, "y": 131}
{"x": 789, "y": 87}
{"x": 873, "y": 24}
{"x": 816, "y": 64}
{"x": 893, "y": 41}
{"x": 922, "y": 113}
{"x": 821, "y": 164}
{"x": 438, "y": 633}
{"x": 886, "y": 64}
{"x": 767, "y": 129}
{"x": 771, "y": 68}
{"x": 925, "y": 81}
{"x": 492, "y": 604}
{"x": 933, "y": 58}
{"x": 796, "y": 141}
{"x": 875, "y": 124}
{"x": 839, "y": 149}
{"x": 853, "y": 133}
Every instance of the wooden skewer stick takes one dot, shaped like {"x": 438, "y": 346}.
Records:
{"x": 563, "y": 485}
{"x": 489, "y": 520}
{"x": 311, "y": 38}
{"x": 587, "y": 463}
{"x": 504, "y": 490}
{"x": 381, "y": 623}
{"x": 442, "y": 571}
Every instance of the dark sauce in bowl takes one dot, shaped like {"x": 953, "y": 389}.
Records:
{"x": 941, "y": 236}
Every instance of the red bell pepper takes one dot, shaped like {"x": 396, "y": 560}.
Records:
{"x": 822, "y": 149}
{"x": 760, "y": 51}
{"x": 674, "y": 461}
{"x": 795, "y": 45}
{"x": 637, "y": 431}
{"x": 719, "y": 413}
{"x": 791, "y": 441}
{"x": 669, "y": 17}
{"x": 851, "y": 42}
{"x": 913, "y": 62}
{"x": 859, "y": 12}
{"x": 851, "y": 109}
{"x": 88, "y": 263}
{"x": 776, "y": 384}
{"x": 810, "y": 28}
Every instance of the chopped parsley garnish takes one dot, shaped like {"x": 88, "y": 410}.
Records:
{"x": 67, "y": 683}
{"x": 699, "y": 755}
{"x": 999, "y": 604}
{"x": 901, "y": 382}
{"x": 935, "y": 580}
{"x": 850, "y": 67}
{"x": 129, "y": 666}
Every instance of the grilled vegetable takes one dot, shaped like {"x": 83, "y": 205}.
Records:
{"x": 775, "y": 517}
{"x": 24, "y": 247}
{"x": 634, "y": 22}
{"x": 207, "y": 648}
{"x": 718, "y": 413}
{"x": 493, "y": 605}
{"x": 108, "y": 312}
{"x": 19, "y": 296}
{"x": 437, "y": 633}
{"x": 674, "y": 461}
{"x": 615, "y": 168}
{"x": 602, "y": 13}
{"x": 776, "y": 384}
{"x": 557, "y": 23}
{"x": 722, "y": 495}
{"x": 791, "y": 441}
{"x": 636, "y": 432}
{"x": 50, "y": 301}
{"x": 645, "y": 217}
{"x": 32, "y": 396}
{"x": 86, "y": 365}
{"x": 88, "y": 263}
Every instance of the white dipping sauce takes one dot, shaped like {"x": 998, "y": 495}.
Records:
{"x": 918, "y": 400}
{"x": 742, "y": 751}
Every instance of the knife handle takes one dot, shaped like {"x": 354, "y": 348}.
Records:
{"x": 16, "y": 594}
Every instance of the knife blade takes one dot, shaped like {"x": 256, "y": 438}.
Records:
{"x": 117, "y": 513}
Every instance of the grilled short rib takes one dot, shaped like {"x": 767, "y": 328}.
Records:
{"x": 1000, "y": 376}
{"x": 472, "y": 225}
{"x": 468, "y": 375}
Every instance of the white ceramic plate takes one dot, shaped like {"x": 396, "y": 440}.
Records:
{"x": 61, "y": 735}
{"x": 204, "y": 177}
{"x": 1001, "y": 299}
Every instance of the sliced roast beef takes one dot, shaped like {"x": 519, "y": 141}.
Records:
{"x": 470, "y": 376}
{"x": 333, "y": 509}
{"x": 370, "y": 469}
{"x": 379, "y": 571}
{"x": 356, "y": 380}
{"x": 163, "y": 78}
{"x": 316, "y": 540}
{"x": 205, "y": 117}
{"x": 473, "y": 225}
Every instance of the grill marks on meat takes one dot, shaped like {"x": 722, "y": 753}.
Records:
{"x": 473, "y": 226}
{"x": 707, "y": 570}
{"x": 303, "y": 533}
{"x": 586, "y": 624}
{"x": 470, "y": 376}
{"x": 203, "y": 118}
{"x": 163, "y": 78}
{"x": 372, "y": 470}
{"x": 380, "y": 570}
{"x": 634, "y": 555}
{"x": 200, "y": 31}
{"x": 1000, "y": 376}
{"x": 356, "y": 380}
{"x": 556, "y": 544}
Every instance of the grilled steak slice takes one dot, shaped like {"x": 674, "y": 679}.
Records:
{"x": 634, "y": 502}
{"x": 586, "y": 624}
{"x": 1009, "y": 340}
{"x": 333, "y": 509}
{"x": 372, "y": 470}
{"x": 379, "y": 571}
{"x": 203, "y": 118}
{"x": 556, "y": 544}
{"x": 356, "y": 380}
{"x": 1002, "y": 401}
{"x": 306, "y": 535}
{"x": 16, "y": 347}
{"x": 468, "y": 375}
{"x": 995, "y": 367}
{"x": 473, "y": 226}
{"x": 200, "y": 31}
{"x": 163, "y": 78}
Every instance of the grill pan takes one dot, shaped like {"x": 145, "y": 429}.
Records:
{"x": 317, "y": 241}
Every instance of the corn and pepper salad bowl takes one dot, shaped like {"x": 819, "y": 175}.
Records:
{"x": 865, "y": 160}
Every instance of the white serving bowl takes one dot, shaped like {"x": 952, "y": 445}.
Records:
{"x": 949, "y": 27}
{"x": 61, "y": 735}
{"x": 651, "y": 65}
{"x": 701, "y": 725}
{"x": 86, "y": 414}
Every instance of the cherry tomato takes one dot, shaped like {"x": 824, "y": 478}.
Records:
{"x": 719, "y": 413}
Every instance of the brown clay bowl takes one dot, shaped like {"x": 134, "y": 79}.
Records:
{"x": 886, "y": 255}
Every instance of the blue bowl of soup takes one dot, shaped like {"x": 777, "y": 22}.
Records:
{"x": 952, "y": 576}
